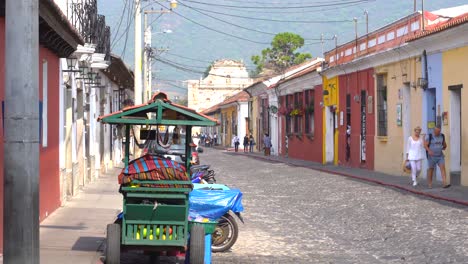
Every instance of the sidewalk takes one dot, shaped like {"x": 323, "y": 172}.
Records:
{"x": 454, "y": 194}
{"x": 75, "y": 233}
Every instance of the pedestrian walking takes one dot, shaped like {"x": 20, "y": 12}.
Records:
{"x": 202, "y": 137}
{"x": 215, "y": 139}
{"x": 415, "y": 154}
{"x": 267, "y": 144}
{"x": 246, "y": 143}
{"x": 435, "y": 146}
{"x": 251, "y": 143}
{"x": 236, "y": 141}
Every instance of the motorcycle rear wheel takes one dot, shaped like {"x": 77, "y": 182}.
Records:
{"x": 225, "y": 234}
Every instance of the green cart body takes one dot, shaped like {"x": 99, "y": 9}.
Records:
{"x": 163, "y": 223}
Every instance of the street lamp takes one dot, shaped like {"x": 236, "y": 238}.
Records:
{"x": 71, "y": 62}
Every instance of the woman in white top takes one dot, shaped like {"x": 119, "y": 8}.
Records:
{"x": 415, "y": 153}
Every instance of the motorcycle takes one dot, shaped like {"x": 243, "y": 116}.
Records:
{"x": 227, "y": 229}
{"x": 202, "y": 174}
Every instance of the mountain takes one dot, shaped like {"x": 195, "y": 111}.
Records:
{"x": 206, "y": 30}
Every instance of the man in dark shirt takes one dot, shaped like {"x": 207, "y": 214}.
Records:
{"x": 435, "y": 145}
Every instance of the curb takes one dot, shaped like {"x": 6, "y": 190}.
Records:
{"x": 411, "y": 190}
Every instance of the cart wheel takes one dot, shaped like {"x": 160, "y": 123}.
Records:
{"x": 113, "y": 244}
{"x": 197, "y": 244}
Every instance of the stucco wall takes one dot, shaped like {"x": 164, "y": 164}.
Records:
{"x": 353, "y": 84}
{"x": 454, "y": 73}
{"x": 399, "y": 77}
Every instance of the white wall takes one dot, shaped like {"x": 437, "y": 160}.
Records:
{"x": 274, "y": 124}
{"x": 242, "y": 114}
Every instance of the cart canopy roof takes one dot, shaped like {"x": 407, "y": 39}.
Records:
{"x": 158, "y": 111}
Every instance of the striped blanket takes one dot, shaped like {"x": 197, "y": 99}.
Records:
{"x": 153, "y": 168}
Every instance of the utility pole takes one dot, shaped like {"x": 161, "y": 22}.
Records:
{"x": 21, "y": 138}
{"x": 321, "y": 41}
{"x": 336, "y": 49}
{"x": 415, "y": 6}
{"x": 367, "y": 21}
{"x": 146, "y": 59}
{"x": 148, "y": 76}
{"x": 138, "y": 54}
{"x": 422, "y": 12}
{"x": 356, "y": 36}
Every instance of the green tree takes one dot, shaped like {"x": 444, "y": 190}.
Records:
{"x": 282, "y": 54}
{"x": 207, "y": 71}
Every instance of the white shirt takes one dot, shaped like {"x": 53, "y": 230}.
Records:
{"x": 415, "y": 149}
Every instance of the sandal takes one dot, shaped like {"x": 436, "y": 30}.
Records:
{"x": 446, "y": 186}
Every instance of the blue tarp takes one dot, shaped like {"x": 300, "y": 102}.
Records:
{"x": 213, "y": 204}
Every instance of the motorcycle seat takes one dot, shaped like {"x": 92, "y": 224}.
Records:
{"x": 199, "y": 167}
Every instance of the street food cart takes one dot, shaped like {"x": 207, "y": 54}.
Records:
{"x": 156, "y": 189}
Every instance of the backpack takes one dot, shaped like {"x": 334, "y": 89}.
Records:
{"x": 430, "y": 140}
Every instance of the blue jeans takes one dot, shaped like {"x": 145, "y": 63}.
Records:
{"x": 433, "y": 161}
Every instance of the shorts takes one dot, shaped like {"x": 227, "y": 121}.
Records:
{"x": 433, "y": 161}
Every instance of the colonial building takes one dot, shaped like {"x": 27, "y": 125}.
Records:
{"x": 443, "y": 95}
{"x": 300, "y": 113}
{"x": 360, "y": 78}
{"x": 225, "y": 78}
{"x": 380, "y": 86}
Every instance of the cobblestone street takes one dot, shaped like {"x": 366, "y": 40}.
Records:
{"x": 298, "y": 215}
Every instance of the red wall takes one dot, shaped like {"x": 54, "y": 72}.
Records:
{"x": 306, "y": 148}
{"x": 49, "y": 156}
{"x": 353, "y": 84}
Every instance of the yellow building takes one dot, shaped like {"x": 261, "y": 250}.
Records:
{"x": 330, "y": 131}
{"x": 403, "y": 107}
{"x": 454, "y": 112}
{"x": 444, "y": 76}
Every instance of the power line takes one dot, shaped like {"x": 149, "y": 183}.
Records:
{"x": 187, "y": 58}
{"x": 271, "y": 20}
{"x": 292, "y": 11}
{"x": 215, "y": 30}
{"x": 120, "y": 22}
{"x": 278, "y": 7}
{"x": 270, "y": 3}
{"x": 129, "y": 20}
{"x": 229, "y": 23}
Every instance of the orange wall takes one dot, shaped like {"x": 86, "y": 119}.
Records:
{"x": 49, "y": 156}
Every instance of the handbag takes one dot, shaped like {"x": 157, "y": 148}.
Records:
{"x": 406, "y": 166}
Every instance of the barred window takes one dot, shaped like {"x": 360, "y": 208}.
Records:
{"x": 309, "y": 112}
{"x": 288, "y": 103}
{"x": 382, "y": 105}
{"x": 298, "y": 102}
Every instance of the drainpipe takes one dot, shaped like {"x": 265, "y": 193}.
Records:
{"x": 426, "y": 74}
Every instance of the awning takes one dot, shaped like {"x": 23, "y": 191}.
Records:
{"x": 158, "y": 111}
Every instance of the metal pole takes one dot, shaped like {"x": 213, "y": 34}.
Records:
{"x": 188, "y": 149}
{"x": 138, "y": 55}
{"x": 21, "y": 181}
{"x": 415, "y": 6}
{"x": 367, "y": 22}
{"x": 422, "y": 12}
{"x": 145, "y": 57}
{"x": 321, "y": 41}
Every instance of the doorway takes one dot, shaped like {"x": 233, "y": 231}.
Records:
{"x": 455, "y": 134}
{"x": 329, "y": 135}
